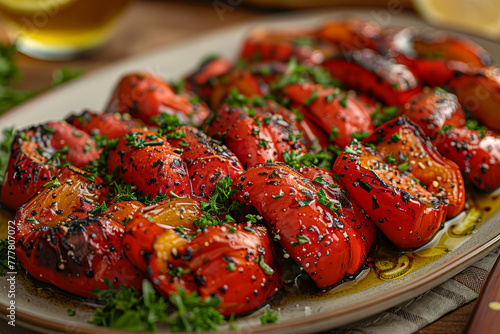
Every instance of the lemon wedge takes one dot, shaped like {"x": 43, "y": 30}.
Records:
{"x": 34, "y": 6}
{"x": 480, "y": 17}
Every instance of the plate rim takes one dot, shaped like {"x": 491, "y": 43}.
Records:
{"x": 321, "y": 322}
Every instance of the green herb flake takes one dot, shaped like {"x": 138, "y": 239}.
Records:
{"x": 395, "y": 137}
{"x": 301, "y": 239}
{"x": 311, "y": 98}
{"x": 404, "y": 167}
{"x": 269, "y": 317}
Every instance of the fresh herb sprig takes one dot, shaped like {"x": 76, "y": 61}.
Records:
{"x": 220, "y": 204}
{"x": 126, "y": 309}
{"x": 194, "y": 314}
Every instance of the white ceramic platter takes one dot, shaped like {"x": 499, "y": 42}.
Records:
{"x": 302, "y": 316}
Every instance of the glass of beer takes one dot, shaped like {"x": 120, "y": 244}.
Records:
{"x": 60, "y": 29}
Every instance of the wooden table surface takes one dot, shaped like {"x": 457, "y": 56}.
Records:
{"x": 149, "y": 24}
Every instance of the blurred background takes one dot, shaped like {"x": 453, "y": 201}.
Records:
{"x": 85, "y": 34}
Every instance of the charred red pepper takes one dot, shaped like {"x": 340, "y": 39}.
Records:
{"x": 433, "y": 110}
{"x": 264, "y": 45}
{"x": 150, "y": 163}
{"x": 36, "y": 154}
{"x": 233, "y": 262}
{"x": 145, "y": 96}
{"x": 207, "y": 161}
{"x": 59, "y": 241}
{"x": 433, "y": 55}
{"x": 256, "y": 133}
{"x": 402, "y": 182}
{"x": 352, "y": 34}
{"x": 375, "y": 75}
{"x": 307, "y": 219}
{"x": 479, "y": 92}
{"x": 477, "y": 153}
{"x": 111, "y": 125}
{"x": 336, "y": 112}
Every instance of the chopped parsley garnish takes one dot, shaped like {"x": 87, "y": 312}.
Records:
{"x": 54, "y": 182}
{"x": 311, "y": 98}
{"x": 301, "y": 239}
{"x": 300, "y": 74}
{"x": 194, "y": 314}
{"x": 360, "y": 135}
{"x": 446, "y": 128}
{"x": 324, "y": 200}
{"x": 323, "y": 159}
{"x": 395, "y": 137}
{"x": 404, "y": 167}
{"x": 100, "y": 209}
{"x": 178, "y": 134}
{"x": 125, "y": 310}
{"x": 269, "y": 317}
{"x": 382, "y": 115}
{"x": 390, "y": 159}
{"x": 220, "y": 204}
{"x": 334, "y": 133}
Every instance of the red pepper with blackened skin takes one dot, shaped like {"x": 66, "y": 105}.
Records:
{"x": 59, "y": 241}
{"x": 207, "y": 161}
{"x": 255, "y": 133}
{"x": 433, "y": 111}
{"x": 111, "y": 125}
{"x": 370, "y": 73}
{"x": 351, "y": 34}
{"x": 202, "y": 80}
{"x": 353, "y": 214}
{"x": 145, "y": 96}
{"x": 479, "y": 92}
{"x": 307, "y": 219}
{"x": 232, "y": 262}
{"x": 302, "y": 45}
{"x": 336, "y": 112}
{"x": 477, "y": 153}
{"x": 401, "y": 182}
{"x": 36, "y": 153}
{"x": 433, "y": 55}
{"x": 149, "y": 162}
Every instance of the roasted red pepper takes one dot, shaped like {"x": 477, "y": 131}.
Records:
{"x": 59, "y": 241}
{"x": 149, "y": 162}
{"x": 202, "y": 80}
{"x": 338, "y": 113}
{"x": 256, "y": 133}
{"x": 263, "y": 45}
{"x": 145, "y": 96}
{"x": 477, "y": 153}
{"x": 402, "y": 182}
{"x": 353, "y": 214}
{"x": 479, "y": 92}
{"x": 433, "y": 55}
{"x": 207, "y": 161}
{"x": 375, "y": 75}
{"x": 233, "y": 262}
{"x": 433, "y": 110}
{"x": 241, "y": 79}
{"x": 352, "y": 34}
{"x": 307, "y": 219}
{"x": 36, "y": 153}
{"x": 111, "y": 125}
